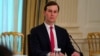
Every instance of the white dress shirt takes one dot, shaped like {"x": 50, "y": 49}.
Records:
{"x": 54, "y": 32}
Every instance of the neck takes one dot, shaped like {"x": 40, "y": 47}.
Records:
{"x": 49, "y": 23}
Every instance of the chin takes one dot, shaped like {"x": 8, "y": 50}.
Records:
{"x": 52, "y": 21}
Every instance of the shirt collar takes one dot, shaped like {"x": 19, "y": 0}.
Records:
{"x": 48, "y": 26}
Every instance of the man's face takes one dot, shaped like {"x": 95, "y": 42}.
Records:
{"x": 51, "y": 14}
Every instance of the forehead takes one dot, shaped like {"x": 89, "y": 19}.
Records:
{"x": 52, "y": 7}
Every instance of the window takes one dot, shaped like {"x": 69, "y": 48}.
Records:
{"x": 11, "y": 15}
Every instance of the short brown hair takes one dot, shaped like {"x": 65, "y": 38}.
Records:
{"x": 51, "y": 3}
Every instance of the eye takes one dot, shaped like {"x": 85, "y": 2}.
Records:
{"x": 55, "y": 11}
{"x": 49, "y": 10}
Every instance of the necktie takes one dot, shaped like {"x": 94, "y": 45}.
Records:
{"x": 52, "y": 39}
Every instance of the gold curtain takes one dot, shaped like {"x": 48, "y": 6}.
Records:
{"x": 32, "y": 16}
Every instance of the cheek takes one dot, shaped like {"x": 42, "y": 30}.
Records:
{"x": 56, "y": 15}
{"x": 48, "y": 15}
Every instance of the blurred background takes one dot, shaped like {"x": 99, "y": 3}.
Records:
{"x": 78, "y": 17}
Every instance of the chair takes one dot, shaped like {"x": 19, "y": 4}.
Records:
{"x": 94, "y": 43}
{"x": 14, "y": 41}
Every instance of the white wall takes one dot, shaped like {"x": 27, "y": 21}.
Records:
{"x": 87, "y": 19}
{"x": 89, "y": 15}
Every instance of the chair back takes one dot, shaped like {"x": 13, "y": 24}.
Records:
{"x": 14, "y": 41}
{"x": 94, "y": 43}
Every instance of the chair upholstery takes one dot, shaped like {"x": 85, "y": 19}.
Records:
{"x": 14, "y": 41}
{"x": 94, "y": 43}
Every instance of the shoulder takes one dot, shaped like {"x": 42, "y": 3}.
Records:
{"x": 38, "y": 28}
{"x": 60, "y": 28}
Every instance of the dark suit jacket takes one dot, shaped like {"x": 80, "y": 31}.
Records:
{"x": 39, "y": 43}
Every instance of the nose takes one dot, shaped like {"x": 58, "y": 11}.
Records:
{"x": 52, "y": 13}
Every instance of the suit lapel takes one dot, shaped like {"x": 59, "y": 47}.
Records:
{"x": 58, "y": 34}
{"x": 45, "y": 34}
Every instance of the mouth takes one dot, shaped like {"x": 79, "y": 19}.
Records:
{"x": 51, "y": 17}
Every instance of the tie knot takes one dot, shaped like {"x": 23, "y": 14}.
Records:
{"x": 51, "y": 27}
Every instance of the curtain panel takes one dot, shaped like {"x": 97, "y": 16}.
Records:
{"x": 32, "y": 15}
{"x": 11, "y": 15}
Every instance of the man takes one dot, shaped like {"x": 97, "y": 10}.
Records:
{"x": 40, "y": 43}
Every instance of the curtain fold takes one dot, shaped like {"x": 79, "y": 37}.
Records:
{"x": 32, "y": 16}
